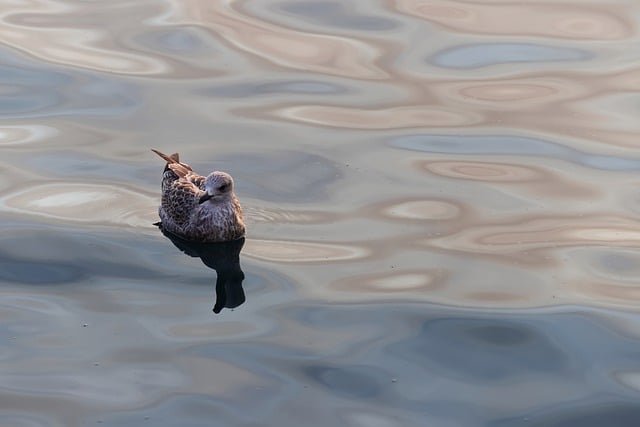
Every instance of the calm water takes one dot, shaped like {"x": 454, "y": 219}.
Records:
{"x": 442, "y": 199}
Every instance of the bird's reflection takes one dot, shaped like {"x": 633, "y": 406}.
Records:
{"x": 224, "y": 258}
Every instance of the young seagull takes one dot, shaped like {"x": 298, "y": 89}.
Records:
{"x": 199, "y": 208}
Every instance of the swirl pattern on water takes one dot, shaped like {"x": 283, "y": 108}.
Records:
{"x": 565, "y": 19}
{"x": 418, "y": 177}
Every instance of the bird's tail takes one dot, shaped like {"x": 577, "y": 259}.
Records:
{"x": 174, "y": 158}
{"x": 174, "y": 164}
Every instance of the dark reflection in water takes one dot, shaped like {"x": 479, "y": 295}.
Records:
{"x": 224, "y": 258}
{"x": 484, "y": 349}
{"x": 351, "y": 382}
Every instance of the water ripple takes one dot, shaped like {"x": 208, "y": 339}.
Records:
{"x": 558, "y": 20}
{"x": 334, "y": 14}
{"x": 404, "y": 283}
{"x": 316, "y": 52}
{"x": 394, "y": 276}
{"x": 421, "y": 210}
{"x": 532, "y": 179}
{"x": 524, "y": 238}
{"x": 514, "y": 94}
{"x": 25, "y": 134}
{"x": 488, "y": 145}
{"x": 253, "y": 89}
{"x": 34, "y": 91}
{"x": 303, "y": 252}
{"x": 383, "y": 118}
{"x": 83, "y": 203}
{"x": 487, "y": 54}
{"x": 36, "y": 31}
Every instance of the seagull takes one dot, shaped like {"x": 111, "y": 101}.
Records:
{"x": 198, "y": 208}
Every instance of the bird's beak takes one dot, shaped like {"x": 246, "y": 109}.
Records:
{"x": 204, "y": 198}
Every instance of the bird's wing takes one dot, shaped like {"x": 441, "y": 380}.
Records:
{"x": 180, "y": 169}
{"x": 180, "y": 199}
{"x": 197, "y": 180}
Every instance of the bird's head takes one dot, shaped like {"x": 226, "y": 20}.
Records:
{"x": 218, "y": 186}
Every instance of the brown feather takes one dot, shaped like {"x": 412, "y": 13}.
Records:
{"x": 180, "y": 169}
{"x": 168, "y": 159}
{"x": 173, "y": 163}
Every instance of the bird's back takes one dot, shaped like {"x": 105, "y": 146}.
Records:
{"x": 179, "y": 201}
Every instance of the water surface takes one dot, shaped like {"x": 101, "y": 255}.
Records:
{"x": 441, "y": 199}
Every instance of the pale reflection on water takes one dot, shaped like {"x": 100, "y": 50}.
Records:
{"x": 441, "y": 196}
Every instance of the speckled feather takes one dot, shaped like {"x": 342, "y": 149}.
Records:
{"x": 181, "y": 213}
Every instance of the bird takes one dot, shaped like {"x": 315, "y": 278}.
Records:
{"x": 198, "y": 208}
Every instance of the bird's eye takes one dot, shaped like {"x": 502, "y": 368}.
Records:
{"x": 223, "y": 188}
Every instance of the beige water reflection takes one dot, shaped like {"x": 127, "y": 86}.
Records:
{"x": 571, "y": 19}
{"x": 252, "y": 77}
{"x": 418, "y": 177}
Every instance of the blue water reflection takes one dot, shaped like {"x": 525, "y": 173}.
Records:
{"x": 176, "y": 40}
{"x": 336, "y": 14}
{"x": 488, "y": 145}
{"x": 404, "y": 363}
{"x": 487, "y": 54}
{"x": 33, "y": 90}
{"x": 483, "y": 350}
{"x": 433, "y": 364}
{"x": 503, "y": 293}
{"x": 253, "y": 89}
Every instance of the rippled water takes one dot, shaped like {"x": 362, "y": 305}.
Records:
{"x": 442, "y": 200}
